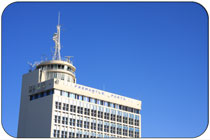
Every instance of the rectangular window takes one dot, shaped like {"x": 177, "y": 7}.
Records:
{"x": 71, "y": 121}
{"x": 93, "y": 113}
{"x": 79, "y": 123}
{"x": 86, "y": 124}
{"x": 59, "y": 119}
{"x": 131, "y": 121}
{"x": 56, "y": 118}
{"x": 119, "y": 131}
{"x": 87, "y": 111}
{"x": 73, "y": 108}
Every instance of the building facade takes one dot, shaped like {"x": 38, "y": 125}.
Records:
{"x": 54, "y": 105}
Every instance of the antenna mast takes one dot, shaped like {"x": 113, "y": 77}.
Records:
{"x": 56, "y": 39}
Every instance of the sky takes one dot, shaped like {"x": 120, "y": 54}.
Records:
{"x": 153, "y": 52}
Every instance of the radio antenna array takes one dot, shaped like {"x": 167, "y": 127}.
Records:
{"x": 56, "y": 39}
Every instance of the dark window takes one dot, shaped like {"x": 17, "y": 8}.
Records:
{"x": 125, "y": 120}
{"x": 119, "y": 131}
{"x": 112, "y": 129}
{"x": 106, "y": 128}
{"x": 137, "y": 122}
{"x": 119, "y": 118}
{"x": 100, "y": 114}
{"x": 73, "y": 108}
{"x": 106, "y": 116}
{"x": 130, "y": 133}
{"x": 79, "y": 123}
{"x": 100, "y": 127}
{"x": 93, "y": 125}
{"x": 112, "y": 117}
{"x": 125, "y": 132}
{"x": 93, "y": 113}
{"x": 87, "y": 111}
{"x": 71, "y": 122}
{"x": 86, "y": 124}
{"x": 131, "y": 121}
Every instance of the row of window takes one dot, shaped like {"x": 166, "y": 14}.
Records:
{"x": 85, "y": 134}
{"x": 95, "y": 125}
{"x": 59, "y": 75}
{"x": 97, "y": 101}
{"x": 42, "y": 94}
{"x": 56, "y": 66}
{"x": 101, "y": 113}
{"x": 84, "y": 98}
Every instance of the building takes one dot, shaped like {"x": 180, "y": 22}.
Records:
{"x": 54, "y": 105}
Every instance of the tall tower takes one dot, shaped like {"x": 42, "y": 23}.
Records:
{"x": 54, "y": 105}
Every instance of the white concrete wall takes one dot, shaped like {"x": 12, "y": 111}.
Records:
{"x": 35, "y": 115}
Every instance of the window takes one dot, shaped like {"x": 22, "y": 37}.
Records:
{"x": 86, "y": 134}
{"x": 117, "y": 106}
{"x": 31, "y": 97}
{"x": 80, "y": 110}
{"x": 113, "y": 115}
{"x": 92, "y": 100}
{"x": 100, "y": 125}
{"x": 93, "y": 110}
{"x": 80, "y": 97}
{"x": 86, "y": 124}
{"x": 72, "y": 95}
{"x": 136, "y": 120}
{"x": 36, "y": 96}
{"x": 67, "y": 107}
{"x": 87, "y": 111}
{"x": 106, "y": 127}
{"x": 131, "y": 117}
{"x": 136, "y": 133}
{"x": 56, "y": 133}
{"x": 130, "y": 132}
{"x": 119, "y": 129}
{"x": 73, "y": 108}
{"x": 56, "y": 118}
{"x": 57, "y": 105}
{"x": 64, "y": 106}
{"x": 79, "y": 134}
{"x": 59, "y": 119}
{"x": 71, "y": 121}
{"x": 100, "y": 114}
{"x": 113, "y": 128}
{"x": 65, "y": 120}
{"x": 106, "y": 116}
{"x": 105, "y": 103}
{"x": 93, "y": 135}
{"x": 42, "y": 94}
{"x": 98, "y": 102}
{"x": 71, "y": 134}
{"x": 79, "y": 123}
{"x": 55, "y": 66}
{"x": 63, "y": 93}
{"x": 119, "y": 116}
{"x": 125, "y": 117}
{"x": 125, "y": 130}
{"x": 63, "y": 134}
{"x": 93, "y": 124}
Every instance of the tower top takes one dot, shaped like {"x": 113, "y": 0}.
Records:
{"x": 56, "y": 39}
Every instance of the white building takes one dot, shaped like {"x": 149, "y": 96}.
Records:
{"x": 53, "y": 105}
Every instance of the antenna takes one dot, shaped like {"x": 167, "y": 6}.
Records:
{"x": 68, "y": 58}
{"x": 32, "y": 65}
{"x": 56, "y": 39}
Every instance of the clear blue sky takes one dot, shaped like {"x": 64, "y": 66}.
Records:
{"x": 154, "y": 52}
